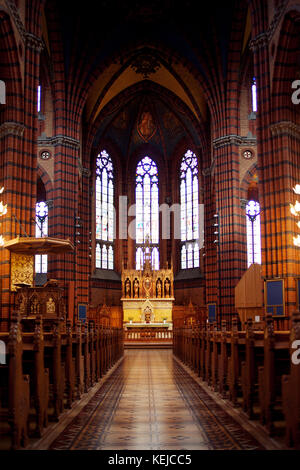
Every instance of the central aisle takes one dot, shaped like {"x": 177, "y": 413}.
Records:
{"x": 151, "y": 402}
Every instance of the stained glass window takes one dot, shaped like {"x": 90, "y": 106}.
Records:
{"x": 105, "y": 220}
{"x": 254, "y": 95}
{"x": 39, "y": 94}
{"x": 41, "y": 230}
{"x": 189, "y": 204}
{"x": 253, "y": 233}
{"x": 147, "y": 211}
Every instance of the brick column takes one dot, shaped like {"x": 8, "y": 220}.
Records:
{"x": 227, "y": 204}
{"x": 278, "y": 157}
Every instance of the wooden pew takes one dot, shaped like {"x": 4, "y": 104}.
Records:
{"x": 97, "y": 354}
{"x": 291, "y": 388}
{"x": 74, "y": 360}
{"x": 15, "y": 387}
{"x": 196, "y": 350}
{"x": 53, "y": 361}
{"x": 41, "y": 379}
{"x": 70, "y": 362}
{"x": 235, "y": 359}
{"x": 33, "y": 365}
{"x": 276, "y": 364}
{"x": 215, "y": 357}
{"x": 79, "y": 362}
{"x": 208, "y": 350}
{"x": 92, "y": 352}
{"x": 223, "y": 360}
{"x": 202, "y": 341}
{"x": 253, "y": 359}
{"x": 87, "y": 360}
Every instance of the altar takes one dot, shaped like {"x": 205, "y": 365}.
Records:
{"x": 147, "y": 297}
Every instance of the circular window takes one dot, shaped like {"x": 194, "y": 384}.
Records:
{"x": 45, "y": 155}
{"x": 247, "y": 154}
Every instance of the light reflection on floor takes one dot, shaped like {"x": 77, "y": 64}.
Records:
{"x": 151, "y": 402}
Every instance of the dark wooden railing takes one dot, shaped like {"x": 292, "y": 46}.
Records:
{"x": 252, "y": 368}
{"x": 148, "y": 334}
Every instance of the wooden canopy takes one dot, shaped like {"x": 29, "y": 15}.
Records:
{"x": 35, "y": 246}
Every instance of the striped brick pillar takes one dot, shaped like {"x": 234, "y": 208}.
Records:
{"x": 11, "y": 144}
{"x": 282, "y": 257}
{"x": 18, "y": 135}
{"x": 278, "y": 161}
{"x": 231, "y": 240}
{"x": 211, "y": 253}
{"x": 65, "y": 209}
{"x": 83, "y": 260}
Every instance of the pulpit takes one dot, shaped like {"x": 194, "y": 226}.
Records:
{"x": 31, "y": 301}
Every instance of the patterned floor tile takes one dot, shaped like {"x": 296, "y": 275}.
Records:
{"x": 151, "y": 402}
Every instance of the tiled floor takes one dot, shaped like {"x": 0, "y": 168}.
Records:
{"x": 151, "y": 402}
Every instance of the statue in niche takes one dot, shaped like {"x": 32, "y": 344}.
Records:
{"x": 127, "y": 288}
{"x": 21, "y": 305}
{"x": 167, "y": 288}
{"x": 147, "y": 313}
{"x": 158, "y": 288}
{"x": 136, "y": 288}
{"x": 50, "y": 306}
{"x": 35, "y": 307}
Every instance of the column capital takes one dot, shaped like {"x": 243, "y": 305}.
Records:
{"x": 64, "y": 140}
{"x": 259, "y": 42}
{"x": 233, "y": 139}
{"x": 11, "y": 128}
{"x": 34, "y": 42}
{"x": 83, "y": 171}
{"x": 285, "y": 127}
{"x": 11, "y": 5}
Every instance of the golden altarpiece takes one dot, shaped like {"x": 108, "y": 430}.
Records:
{"x": 147, "y": 296}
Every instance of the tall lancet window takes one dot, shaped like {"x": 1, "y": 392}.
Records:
{"x": 254, "y": 95}
{"x": 41, "y": 230}
{"x": 147, "y": 212}
{"x": 189, "y": 203}
{"x": 253, "y": 233}
{"x": 105, "y": 220}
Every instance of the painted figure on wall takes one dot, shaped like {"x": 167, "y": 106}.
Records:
{"x": 146, "y": 126}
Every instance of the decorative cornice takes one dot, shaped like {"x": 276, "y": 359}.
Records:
{"x": 209, "y": 170}
{"x": 260, "y": 41}
{"x": 277, "y": 18}
{"x": 233, "y": 139}
{"x": 34, "y": 42}
{"x": 244, "y": 203}
{"x": 263, "y": 39}
{"x": 11, "y": 128}
{"x": 83, "y": 171}
{"x": 285, "y": 127}
{"x": 50, "y": 203}
{"x": 63, "y": 140}
{"x": 30, "y": 40}
{"x": 145, "y": 64}
{"x": 16, "y": 17}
